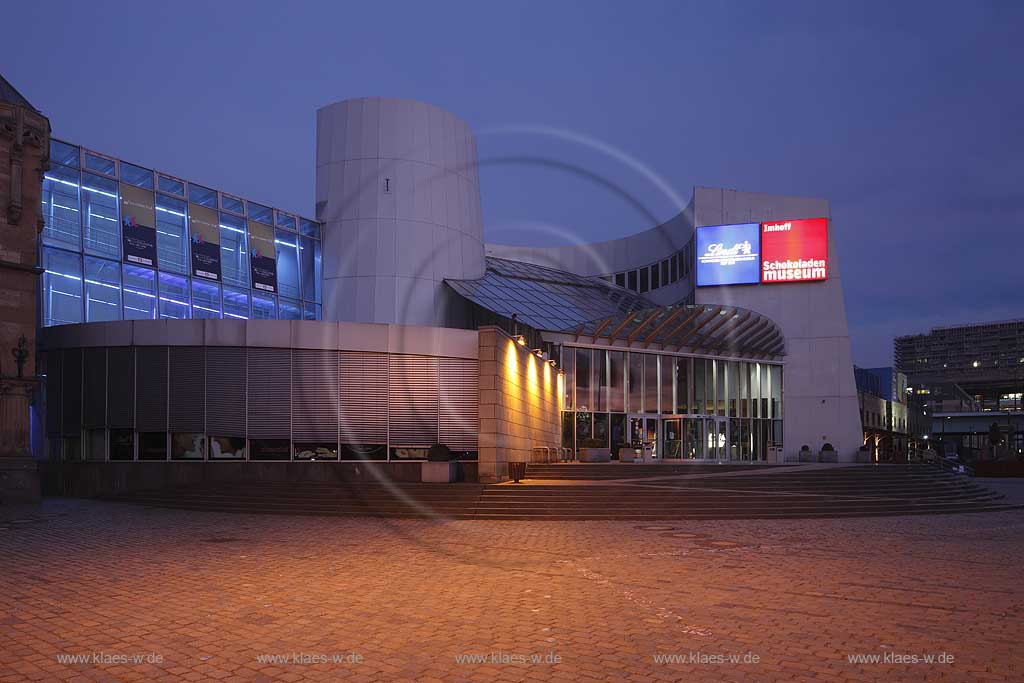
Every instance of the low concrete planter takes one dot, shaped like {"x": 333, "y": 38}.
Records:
{"x": 828, "y": 456}
{"x": 863, "y": 456}
{"x": 806, "y": 456}
{"x": 438, "y": 472}
{"x": 595, "y": 454}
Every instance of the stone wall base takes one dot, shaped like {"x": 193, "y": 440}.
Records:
{"x": 91, "y": 479}
{"x": 19, "y": 481}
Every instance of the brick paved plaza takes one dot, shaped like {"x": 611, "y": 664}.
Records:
{"x": 207, "y": 596}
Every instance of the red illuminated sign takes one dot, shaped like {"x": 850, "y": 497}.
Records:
{"x": 794, "y": 251}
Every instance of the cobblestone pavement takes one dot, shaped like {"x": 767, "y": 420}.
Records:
{"x": 212, "y": 596}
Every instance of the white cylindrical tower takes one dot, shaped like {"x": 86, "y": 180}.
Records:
{"x": 399, "y": 197}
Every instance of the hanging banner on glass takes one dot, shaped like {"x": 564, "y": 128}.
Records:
{"x": 138, "y": 225}
{"x": 262, "y": 257}
{"x": 204, "y": 242}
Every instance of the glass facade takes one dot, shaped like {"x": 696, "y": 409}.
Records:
{"x": 116, "y": 245}
{"x": 682, "y": 407}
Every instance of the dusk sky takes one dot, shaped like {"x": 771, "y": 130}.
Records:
{"x": 908, "y": 117}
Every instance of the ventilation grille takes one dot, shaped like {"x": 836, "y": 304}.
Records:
{"x": 225, "y": 391}
{"x": 459, "y": 424}
{"x": 314, "y": 396}
{"x": 121, "y": 388}
{"x": 151, "y": 393}
{"x": 94, "y": 388}
{"x": 53, "y": 368}
{"x": 413, "y": 406}
{"x": 363, "y": 378}
{"x": 269, "y": 393}
{"x": 71, "y": 393}
{"x": 187, "y": 389}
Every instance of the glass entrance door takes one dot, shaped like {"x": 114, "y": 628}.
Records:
{"x": 643, "y": 437}
{"x": 672, "y": 439}
{"x": 717, "y": 444}
{"x": 651, "y": 436}
{"x": 693, "y": 438}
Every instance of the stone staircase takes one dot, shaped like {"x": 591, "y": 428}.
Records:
{"x": 596, "y": 492}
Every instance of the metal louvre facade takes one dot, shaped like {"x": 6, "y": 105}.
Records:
{"x": 225, "y": 402}
{"x": 363, "y": 382}
{"x": 413, "y": 400}
{"x": 459, "y": 403}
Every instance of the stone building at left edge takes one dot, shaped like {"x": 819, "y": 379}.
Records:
{"x": 24, "y": 156}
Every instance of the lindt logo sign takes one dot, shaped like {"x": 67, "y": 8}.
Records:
{"x": 728, "y": 255}
{"x": 719, "y": 253}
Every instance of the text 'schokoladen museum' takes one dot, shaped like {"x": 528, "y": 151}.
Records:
{"x": 184, "y": 323}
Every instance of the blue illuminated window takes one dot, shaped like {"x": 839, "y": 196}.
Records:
{"x": 290, "y": 309}
{"x": 174, "y": 296}
{"x": 63, "y": 153}
{"x": 309, "y": 228}
{"x": 60, "y": 207}
{"x": 139, "y": 293}
{"x": 102, "y": 290}
{"x": 232, "y": 204}
{"x": 62, "y": 287}
{"x": 287, "y": 266}
{"x": 236, "y": 303}
{"x": 205, "y": 299}
{"x": 283, "y": 220}
{"x": 99, "y": 216}
{"x": 136, "y": 175}
{"x": 203, "y": 196}
{"x": 234, "y": 254}
{"x": 264, "y": 306}
{"x": 309, "y": 252}
{"x": 94, "y": 162}
{"x": 263, "y": 214}
{"x": 171, "y": 235}
{"x": 171, "y": 185}
{"x": 310, "y": 311}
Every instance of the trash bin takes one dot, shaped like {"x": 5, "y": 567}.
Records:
{"x": 516, "y": 471}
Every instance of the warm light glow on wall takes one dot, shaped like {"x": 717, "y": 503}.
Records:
{"x": 531, "y": 375}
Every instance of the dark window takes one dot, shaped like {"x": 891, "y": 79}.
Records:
{"x": 352, "y": 451}
{"x": 655, "y": 277}
{"x": 188, "y": 446}
{"x": 270, "y": 449}
{"x": 632, "y": 280}
{"x": 664, "y": 272}
{"x": 153, "y": 446}
{"x": 644, "y": 279}
{"x": 674, "y": 274}
{"x": 620, "y": 279}
{"x": 227, "y": 448}
{"x": 122, "y": 444}
{"x": 316, "y": 451}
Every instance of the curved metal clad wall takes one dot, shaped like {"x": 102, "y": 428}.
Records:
{"x": 398, "y": 192}
{"x": 384, "y": 392}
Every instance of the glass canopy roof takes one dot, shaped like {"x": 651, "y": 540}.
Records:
{"x": 595, "y": 311}
{"x": 545, "y": 298}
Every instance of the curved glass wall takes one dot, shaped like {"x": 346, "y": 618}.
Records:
{"x": 116, "y": 245}
{"x": 680, "y": 407}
